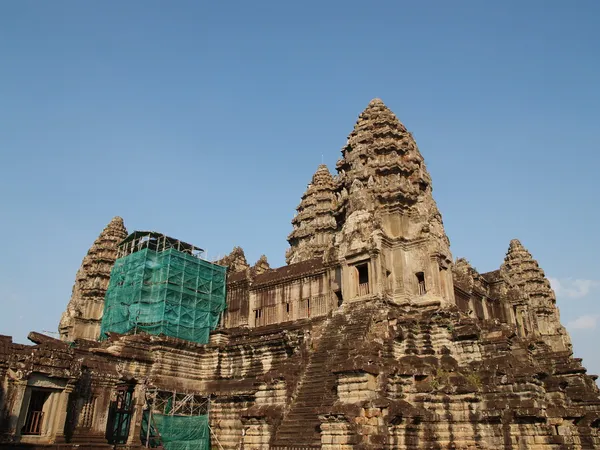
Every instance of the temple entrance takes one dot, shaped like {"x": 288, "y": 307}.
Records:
{"x": 119, "y": 415}
{"x": 35, "y": 412}
{"x": 363, "y": 279}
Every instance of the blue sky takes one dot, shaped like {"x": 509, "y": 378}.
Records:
{"x": 206, "y": 121}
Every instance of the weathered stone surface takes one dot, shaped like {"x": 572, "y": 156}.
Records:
{"x": 235, "y": 261}
{"x": 261, "y": 266}
{"x": 84, "y": 311}
{"x": 314, "y": 224}
{"x": 538, "y": 299}
{"x": 370, "y": 338}
{"x": 382, "y": 169}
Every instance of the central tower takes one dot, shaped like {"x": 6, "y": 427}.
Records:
{"x": 389, "y": 240}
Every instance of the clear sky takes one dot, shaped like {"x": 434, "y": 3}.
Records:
{"x": 206, "y": 120}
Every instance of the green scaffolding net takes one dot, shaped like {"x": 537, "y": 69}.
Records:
{"x": 164, "y": 292}
{"x": 176, "y": 432}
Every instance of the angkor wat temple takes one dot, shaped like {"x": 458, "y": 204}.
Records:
{"x": 371, "y": 337}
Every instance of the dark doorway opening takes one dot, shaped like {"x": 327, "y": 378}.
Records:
{"x": 119, "y": 415}
{"x": 421, "y": 283}
{"x": 363, "y": 279}
{"x": 35, "y": 412}
{"x": 340, "y": 299}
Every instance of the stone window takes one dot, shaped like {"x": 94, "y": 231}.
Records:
{"x": 421, "y": 283}
{"x": 363, "y": 279}
{"x": 319, "y": 305}
{"x": 35, "y": 412}
{"x": 258, "y": 317}
{"x": 520, "y": 321}
{"x": 304, "y": 308}
{"x": 86, "y": 416}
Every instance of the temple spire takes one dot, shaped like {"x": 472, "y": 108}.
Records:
{"x": 381, "y": 152}
{"x": 538, "y": 303}
{"x": 84, "y": 311}
{"x": 314, "y": 223}
{"x": 261, "y": 266}
{"x": 522, "y": 268}
{"x": 385, "y": 202}
{"x": 235, "y": 261}
{"x": 382, "y": 169}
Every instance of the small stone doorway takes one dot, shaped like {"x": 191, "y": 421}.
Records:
{"x": 35, "y": 412}
{"x": 363, "y": 279}
{"x": 119, "y": 415}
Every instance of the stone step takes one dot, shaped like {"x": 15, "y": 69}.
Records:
{"x": 317, "y": 388}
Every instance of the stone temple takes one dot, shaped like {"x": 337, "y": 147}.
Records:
{"x": 371, "y": 337}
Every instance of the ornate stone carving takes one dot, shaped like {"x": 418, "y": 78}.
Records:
{"x": 372, "y": 339}
{"x": 84, "y": 311}
{"x": 235, "y": 261}
{"x": 261, "y": 266}
{"x": 314, "y": 223}
{"x": 523, "y": 271}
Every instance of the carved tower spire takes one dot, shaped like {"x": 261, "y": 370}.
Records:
{"x": 261, "y": 266}
{"x": 235, "y": 261}
{"x": 314, "y": 224}
{"x": 84, "y": 311}
{"x": 535, "y": 312}
{"x": 386, "y": 209}
{"x": 382, "y": 155}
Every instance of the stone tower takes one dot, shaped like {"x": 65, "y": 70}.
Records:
{"x": 235, "y": 261}
{"x": 84, "y": 311}
{"x": 534, "y": 309}
{"x": 314, "y": 224}
{"x": 390, "y": 240}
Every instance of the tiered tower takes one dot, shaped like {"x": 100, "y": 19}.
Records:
{"x": 534, "y": 310}
{"x": 389, "y": 238}
{"x": 314, "y": 224}
{"x": 84, "y": 311}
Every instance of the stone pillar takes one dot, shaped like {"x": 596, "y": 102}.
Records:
{"x": 135, "y": 426}
{"x": 375, "y": 277}
{"x": 3, "y": 394}
{"x": 102, "y": 392}
{"x": 436, "y": 284}
{"x": 59, "y": 415}
{"x": 484, "y": 306}
{"x": 347, "y": 280}
{"x": 17, "y": 395}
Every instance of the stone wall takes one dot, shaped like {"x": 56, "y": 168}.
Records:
{"x": 372, "y": 338}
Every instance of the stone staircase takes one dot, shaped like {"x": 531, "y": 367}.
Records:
{"x": 317, "y": 386}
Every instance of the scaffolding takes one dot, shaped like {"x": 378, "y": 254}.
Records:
{"x": 176, "y": 421}
{"x": 161, "y": 285}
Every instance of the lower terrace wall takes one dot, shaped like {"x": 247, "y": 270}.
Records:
{"x": 88, "y": 375}
{"x": 401, "y": 378}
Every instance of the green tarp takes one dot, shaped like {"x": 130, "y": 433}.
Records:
{"x": 168, "y": 292}
{"x": 177, "y": 432}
